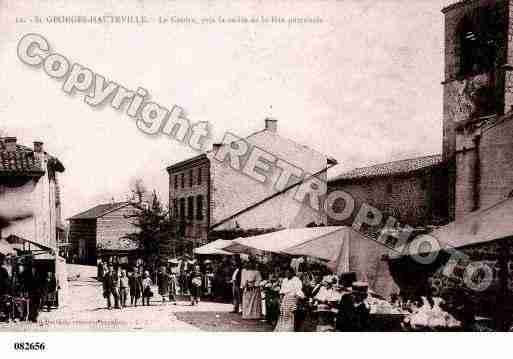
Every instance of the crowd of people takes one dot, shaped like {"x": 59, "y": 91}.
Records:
{"x": 120, "y": 282}
{"x": 290, "y": 295}
{"x": 276, "y": 291}
{"x": 26, "y": 289}
{"x": 299, "y": 301}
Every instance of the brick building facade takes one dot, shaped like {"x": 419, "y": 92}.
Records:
{"x": 189, "y": 196}
{"x": 101, "y": 230}
{"x": 413, "y": 191}
{"x": 206, "y": 193}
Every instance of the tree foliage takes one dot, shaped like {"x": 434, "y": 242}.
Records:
{"x": 155, "y": 227}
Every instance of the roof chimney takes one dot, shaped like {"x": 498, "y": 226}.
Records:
{"x": 38, "y": 146}
{"x": 216, "y": 146}
{"x": 271, "y": 124}
{"x": 10, "y": 144}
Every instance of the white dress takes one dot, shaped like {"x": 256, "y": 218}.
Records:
{"x": 251, "y": 296}
{"x": 291, "y": 289}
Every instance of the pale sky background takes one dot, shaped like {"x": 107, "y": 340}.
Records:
{"x": 363, "y": 86}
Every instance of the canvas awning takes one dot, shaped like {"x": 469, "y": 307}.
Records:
{"x": 277, "y": 242}
{"x": 482, "y": 226}
{"x": 343, "y": 248}
{"x": 13, "y": 239}
{"x": 214, "y": 248}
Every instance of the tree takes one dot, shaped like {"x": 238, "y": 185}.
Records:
{"x": 156, "y": 230}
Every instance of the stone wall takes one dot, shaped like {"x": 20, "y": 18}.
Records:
{"x": 112, "y": 227}
{"x": 496, "y": 159}
{"x": 413, "y": 199}
{"x": 468, "y": 96}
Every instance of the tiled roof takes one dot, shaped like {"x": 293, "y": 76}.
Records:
{"x": 99, "y": 210}
{"x": 391, "y": 168}
{"x": 23, "y": 162}
{"x": 20, "y": 161}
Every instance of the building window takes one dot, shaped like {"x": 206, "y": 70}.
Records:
{"x": 190, "y": 208}
{"x": 182, "y": 208}
{"x": 481, "y": 35}
{"x": 190, "y": 178}
{"x": 389, "y": 188}
{"x": 175, "y": 208}
{"x": 199, "y": 208}
{"x": 199, "y": 175}
{"x": 176, "y": 181}
{"x": 182, "y": 180}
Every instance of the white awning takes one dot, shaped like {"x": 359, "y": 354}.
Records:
{"x": 214, "y": 248}
{"x": 482, "y": 226}
{"x": 343, "y": 248}
{"x": 285, "y": 240}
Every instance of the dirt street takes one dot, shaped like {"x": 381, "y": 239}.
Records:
{"x": 87, "y": 311}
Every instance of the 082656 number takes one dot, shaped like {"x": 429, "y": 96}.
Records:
{"x": 32, "y": 346}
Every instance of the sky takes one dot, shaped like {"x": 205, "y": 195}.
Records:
{"x": 363, "y": 86}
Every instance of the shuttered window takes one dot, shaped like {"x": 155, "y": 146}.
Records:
{"x": 199, "y": 207}
{"x": 190, "y": 207}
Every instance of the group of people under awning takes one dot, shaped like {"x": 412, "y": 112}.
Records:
{"x": 291, "y": 294}
{"x": 26, "y": 288}
{"x": 299, "y": 301}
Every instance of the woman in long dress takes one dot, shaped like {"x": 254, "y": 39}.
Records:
{"x": 251, "y": 295}
{"x": 163, "y": 283}
{"x": 195, "y": 285}
{"x": 291, "y": 290}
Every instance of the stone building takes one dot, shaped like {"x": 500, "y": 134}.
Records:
{"x": 240, "y": 184}
{"x": 478, "y": 100}
{"x": 413, "y": 191}
{"x": 478, "y": 151}
{"x": 29, "y": 186}
{"x": 100, "y": 232}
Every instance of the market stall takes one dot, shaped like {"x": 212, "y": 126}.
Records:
{"x": 342, "y": 247}
{"x": 55, "y": 266}
{"x": 482, "y": 240}
{"x": 347, "y": 254}
{"x": 14, "y": 305}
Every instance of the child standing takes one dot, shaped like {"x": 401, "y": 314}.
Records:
{"x": 195, "y": 285}
{"x": 146, "y": 284}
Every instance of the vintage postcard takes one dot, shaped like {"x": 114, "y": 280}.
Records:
{"x": 247, "y": 166}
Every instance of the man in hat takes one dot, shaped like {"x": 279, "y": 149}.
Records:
{"x": 111, "y": 287}
{"x": 353, "y": 310}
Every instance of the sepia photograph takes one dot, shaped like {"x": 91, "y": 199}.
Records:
{"x": 323, "y": 166}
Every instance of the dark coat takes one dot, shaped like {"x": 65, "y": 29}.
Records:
{"x": 5, "y": 281}
{"x": 110, "y": 282}
{"x": 163, "y": 283}
{"x": 351, "y": 318}
{"x": 135, "y": 284}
